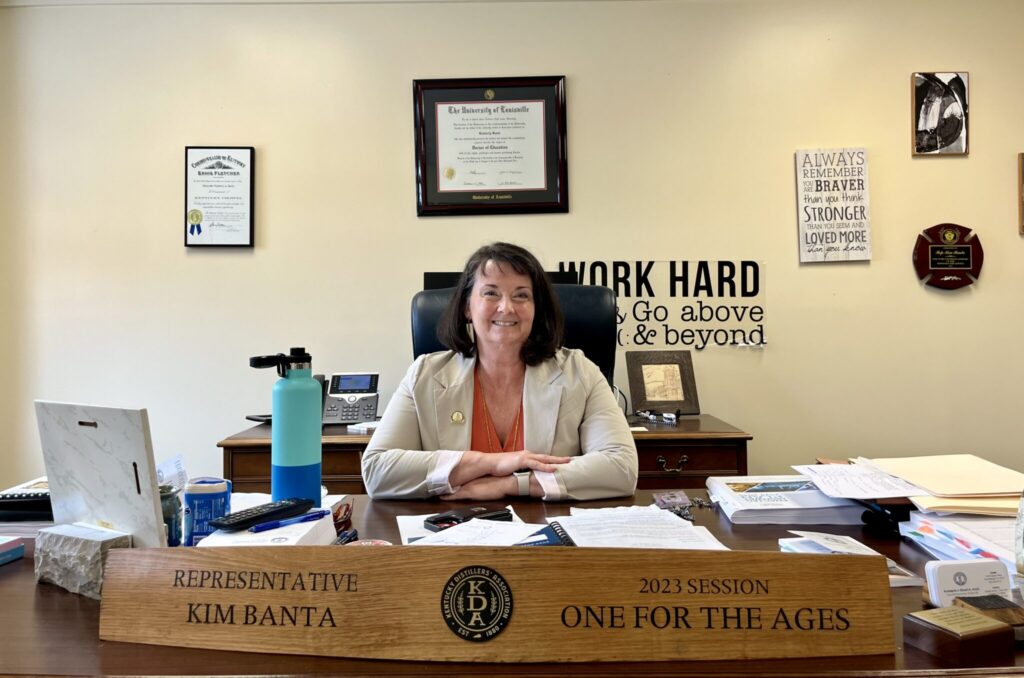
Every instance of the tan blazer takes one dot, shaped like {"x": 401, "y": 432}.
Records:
{"x": 568, "y": 410}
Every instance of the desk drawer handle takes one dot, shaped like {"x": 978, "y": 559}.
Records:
{"x": 683, "y": 461}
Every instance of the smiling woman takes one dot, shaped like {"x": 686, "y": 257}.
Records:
{"x": 506, "y": 411}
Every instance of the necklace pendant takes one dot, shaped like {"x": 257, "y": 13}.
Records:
{"x": 458, "y": 417}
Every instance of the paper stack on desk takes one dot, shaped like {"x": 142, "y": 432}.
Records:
{"x": 619, "y": 527}
{"x": 959, "y": 483}
{"x": 818, "y": 542}
{"x": 780, "y": 500}
{"x": 951, "y": 483}
{"x": 645, "y": 527}
{"x": 963, "y": 537}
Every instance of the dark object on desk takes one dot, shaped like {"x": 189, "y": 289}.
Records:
{"x": 639, "y": 419}
{"x": 553, "y": 535}
{"x": 970, "y": 639}
{"x": 276, "y": 510}
{"x": 590, "y": 322}
{"x": 346, "y": 537}
{"x": 998, "y": 608}
{"x": 884, "y": 517}
{"x": 442, "y": 521}
{"x": 28, "y": 501}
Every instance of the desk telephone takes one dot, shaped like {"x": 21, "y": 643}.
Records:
{"x": 351, "y": 397}
{"x": 348, "y": 398}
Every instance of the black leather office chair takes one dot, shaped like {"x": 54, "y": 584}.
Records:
{"x": 590, "y": 323}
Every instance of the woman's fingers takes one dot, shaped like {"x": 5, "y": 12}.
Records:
{"x": 544, "y": 462}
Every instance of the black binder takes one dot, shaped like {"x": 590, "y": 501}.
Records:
{"x": 28, "y": 501}
{"x": 554, "y": 535}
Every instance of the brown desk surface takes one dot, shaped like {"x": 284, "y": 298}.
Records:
{"x": 49, "y": 631}
{"x": 699, "y": 426}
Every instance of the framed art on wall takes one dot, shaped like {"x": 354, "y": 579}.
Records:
{"x": 662, "y": 381}
{"x": 219, "y": 192}
{"x": 940, "y": 113}
{"x": 490, "y": 146}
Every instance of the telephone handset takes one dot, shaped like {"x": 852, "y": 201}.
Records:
{"x": 351, "y": 397}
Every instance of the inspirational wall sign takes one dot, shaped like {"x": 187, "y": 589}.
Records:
{"x": 833, "y": 209}
{"x": 681, "y": 304}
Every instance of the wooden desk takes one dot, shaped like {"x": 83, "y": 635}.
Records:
{"x": 670, "y": 457}
{"x": 47, "y": 630}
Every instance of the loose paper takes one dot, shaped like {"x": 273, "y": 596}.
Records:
{"x": 853, "y": 481}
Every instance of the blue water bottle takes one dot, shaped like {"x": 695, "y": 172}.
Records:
{"x": 295, "y": 444}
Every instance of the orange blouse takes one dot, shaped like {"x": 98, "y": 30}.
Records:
{"x": 485, "y": 437}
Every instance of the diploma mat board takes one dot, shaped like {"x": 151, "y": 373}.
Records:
{"x": 486, "y": 604}
{"x": 100, "y": 469}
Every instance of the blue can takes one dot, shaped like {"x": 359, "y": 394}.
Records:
{"x": 205, "y": 499}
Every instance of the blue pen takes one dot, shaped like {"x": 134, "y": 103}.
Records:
{"x": 304, "y": 518}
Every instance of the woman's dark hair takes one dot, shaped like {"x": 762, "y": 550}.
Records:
{"x": 548, "y": 325}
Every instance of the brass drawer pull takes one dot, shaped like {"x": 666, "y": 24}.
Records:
{"x": 683, "y": 461}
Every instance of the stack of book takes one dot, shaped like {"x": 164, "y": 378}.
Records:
{"x": 780, "y": 500}
{"x": 11, "y": 548}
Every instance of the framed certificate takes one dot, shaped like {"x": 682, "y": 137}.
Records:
{"x": 219, "y": 190}
{"x": 490, "y": 146}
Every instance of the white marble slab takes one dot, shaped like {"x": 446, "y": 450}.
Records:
{"x": 99, "y": 463}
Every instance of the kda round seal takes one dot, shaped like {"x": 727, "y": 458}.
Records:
{"x": 476, "y": 603}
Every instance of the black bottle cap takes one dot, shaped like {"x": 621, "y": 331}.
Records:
{"x": 299, "y": 355}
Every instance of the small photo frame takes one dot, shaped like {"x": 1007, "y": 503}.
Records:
{"x": 662, "y": 381}
{"x": 940, "y": 113}
{"x": 219, "y": 195}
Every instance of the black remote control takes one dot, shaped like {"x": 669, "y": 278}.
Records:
{"x": 277, "y": 510}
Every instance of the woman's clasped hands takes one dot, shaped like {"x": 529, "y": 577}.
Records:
{"x": 482, "y": 476}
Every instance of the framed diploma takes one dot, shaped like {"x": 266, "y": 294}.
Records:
{"x": 490, "y": 146}
{"x": 219, "y": 189}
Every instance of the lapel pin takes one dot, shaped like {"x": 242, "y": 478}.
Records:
{"x": 458, "y": 417}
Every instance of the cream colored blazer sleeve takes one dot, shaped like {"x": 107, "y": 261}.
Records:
{"x": 591, "y": 425}
{"x": 394, "y": 464}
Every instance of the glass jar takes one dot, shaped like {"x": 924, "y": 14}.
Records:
{"x": 170, "y": 506}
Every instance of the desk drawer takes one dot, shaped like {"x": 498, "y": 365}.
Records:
{"x": 673, "y": 459}
{"x": 668, "y": 464}
{"x": 341, "y": 463}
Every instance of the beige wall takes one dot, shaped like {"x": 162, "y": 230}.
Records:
{"x": 683, "y": 120}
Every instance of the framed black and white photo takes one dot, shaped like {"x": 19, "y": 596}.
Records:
{"x": 490, "y": 146}
{"x": 662, "y": 381}
{"x": 219, "y": 191}
{"x": 940, "y": 113}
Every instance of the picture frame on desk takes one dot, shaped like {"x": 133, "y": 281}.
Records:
{"x": 491, "y": 146}
{"x": 662, "y": 381}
